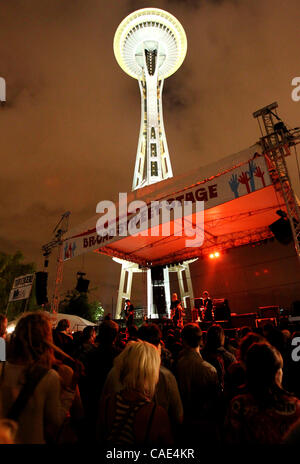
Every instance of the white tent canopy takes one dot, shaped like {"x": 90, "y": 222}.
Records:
{"x": 76, "y": 323}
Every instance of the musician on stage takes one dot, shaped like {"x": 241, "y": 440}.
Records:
{"x": 177, "y": 312}
{"x": 129, "y": 313}
{"x": 207, "y": 307}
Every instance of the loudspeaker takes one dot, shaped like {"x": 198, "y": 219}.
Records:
{"x": 159, "y": 297}
{"x": 41, "y": 279}
{"x": 157, "y": 275}
{"x": 242, "y": 320}
{"x": 268, "y": 311}
{"x": 282, "y": 231}
{"x": 82, "y": 285}
{"x": 159, "y": 300}
{"x": 295, "y": 308}
{"x": 266, "y": 320}
{"x": 221, "y": 310}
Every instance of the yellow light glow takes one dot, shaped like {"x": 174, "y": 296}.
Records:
{"x": 10, "y": 328}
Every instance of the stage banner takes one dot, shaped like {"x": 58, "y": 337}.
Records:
{"x": 21, "y": 287}
{"x": 227, "y": 186}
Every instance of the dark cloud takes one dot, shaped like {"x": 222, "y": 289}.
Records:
{"x": 173, "y": 98}
{"x": 187, "y": 4}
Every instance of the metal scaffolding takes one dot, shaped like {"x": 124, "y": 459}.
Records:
{"x": 276, "y": 141}
{"x": 60, "y": 229}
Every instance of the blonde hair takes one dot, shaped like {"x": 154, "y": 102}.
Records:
{"x": 138, "y": 367}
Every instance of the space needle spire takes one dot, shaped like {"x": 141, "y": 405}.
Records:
{"x": 150, "y": 45}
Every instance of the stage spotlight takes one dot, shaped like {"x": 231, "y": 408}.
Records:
{"x": 215, "y": 254}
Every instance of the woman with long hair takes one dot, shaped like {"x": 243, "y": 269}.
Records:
{"x": 131, "y": 417}
{"x": 31, "y": 392}
{"x": 236, "y": 373}
{"x": 215, "y": 353}
{"x": 265, "y": 412}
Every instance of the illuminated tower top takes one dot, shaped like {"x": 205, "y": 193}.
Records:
{"x": 150, "y": 45}
{"x": 159, "y": 31}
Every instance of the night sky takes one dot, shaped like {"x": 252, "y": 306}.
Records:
{"x": 70, "y": 126}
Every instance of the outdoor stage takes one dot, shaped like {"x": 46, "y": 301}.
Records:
{"x": 240, "y": 202}
{"x": 235, "y": 214}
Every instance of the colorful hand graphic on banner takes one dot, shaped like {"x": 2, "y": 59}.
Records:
{"x": 244, "y": 179}
{"x": 234, "y": 185}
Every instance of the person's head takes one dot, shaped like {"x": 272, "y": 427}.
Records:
{"x": 191, "y": 335}
{"x": 245, "y": 344}
{"x": 108, "y": 332}
{"x": 215, "y": 337}
{"x": 177, "y": 334}
{"x": 286, "y": 334}
{"x": 107, "y": 317}
{"x": 132, "y": 331}
{"x": 276, "y": 338}
{"x": 127, "y": 301}
{"x": 263, "y": 370}
{"x": 174, "y": 297}
{"x": 31, "y": 342}
{"x": 138, "y": 367}
{"x": 244, "y": 331}
{"x": 205, "y": 294}
{"x": 8, "y": 431}
{"x": 150, "y": 333}
{"x": 3, "y": 325}
{"x": 267, "y": 328}
{"x": 63, "y": 325}
{"x": 88, "y": 334}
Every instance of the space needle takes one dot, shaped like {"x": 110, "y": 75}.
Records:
{"x": 150, "y": 45}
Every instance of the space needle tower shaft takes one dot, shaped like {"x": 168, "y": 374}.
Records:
{"x": 150, "y": 45}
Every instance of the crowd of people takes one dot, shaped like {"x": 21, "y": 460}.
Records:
{"x": 156, "y": 385}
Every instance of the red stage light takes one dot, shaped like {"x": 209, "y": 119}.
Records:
{"x": 216, "y": 254}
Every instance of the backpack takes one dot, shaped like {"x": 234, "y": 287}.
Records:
{"x": 122, "y": 431}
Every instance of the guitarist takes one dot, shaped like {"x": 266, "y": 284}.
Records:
{"x": 208, "y": 307}
{"x": 176, "y": 311}
{"x": 129, "y": 313}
